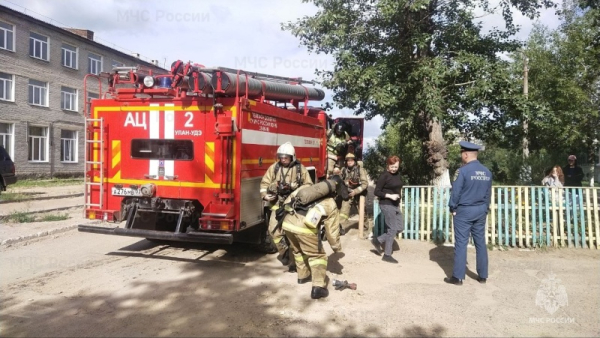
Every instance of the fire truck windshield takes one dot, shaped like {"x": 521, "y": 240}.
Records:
{"x": 158, "y": 149}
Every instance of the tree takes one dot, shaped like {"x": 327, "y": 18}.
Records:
{"x": 562, "y": 106}
{"x": 564, "y": 80}
{"x": 420, "y": 64}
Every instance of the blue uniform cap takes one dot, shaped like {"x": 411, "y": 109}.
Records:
{"x": 469, "y": 146}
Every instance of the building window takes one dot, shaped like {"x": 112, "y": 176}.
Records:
{"x": 69, "y": 56}
{"x": 38, "y": 93}
{"x": 7, "y": 36}
{"x": 38, "y": 144}
{"x": 7, "y": 137}
{"x": 117, "y": 64}
{"x": 7, "y": 87}
{"x": 68, "y": 98}
{"x": 91, "y": 96}
{"x": 95, "y": 64}
{"x": 68, "y": 146}
{"x": 38, "y": 46}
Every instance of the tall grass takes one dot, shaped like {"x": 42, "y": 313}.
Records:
{"x": 26, "y": 183}
{"x": 24, "y": 217}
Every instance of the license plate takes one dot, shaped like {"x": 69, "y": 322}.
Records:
{"x": 126, "y": 192}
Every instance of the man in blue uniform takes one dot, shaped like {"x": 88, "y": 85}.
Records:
{"x": 469, "y": 203}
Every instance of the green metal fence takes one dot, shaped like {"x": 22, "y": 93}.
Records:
{"x": 520, "y": 216}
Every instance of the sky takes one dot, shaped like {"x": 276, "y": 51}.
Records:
{"x": 240, "y": 34}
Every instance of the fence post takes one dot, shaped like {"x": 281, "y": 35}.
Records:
{"x": 428, "y": 221}
{"x": 597, "y": 217}
{"x": 519, "y": 214}
{"x": 361, "y": 216}
{"x": 493, "y": 208}
{"x": 588, "y": 206}
{"x": 527, "y": 243}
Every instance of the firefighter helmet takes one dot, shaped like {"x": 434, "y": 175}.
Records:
{"x": 350, "y": 156}
{"x": 287, "y": 149}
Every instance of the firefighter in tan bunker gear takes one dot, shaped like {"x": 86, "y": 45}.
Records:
{"x": 355, "y": 178}
{"x": 337, "y": 143}
{"x": 280, "y": 180}
{"x": 302, "y": 227}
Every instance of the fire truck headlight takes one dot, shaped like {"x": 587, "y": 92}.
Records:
{"x": 149, "y": 81}
{"x": 148, "y": 190}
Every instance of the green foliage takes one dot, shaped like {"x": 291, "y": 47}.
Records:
{"x": 45, "y": 183}
{"x": 414, "y": 170}
{"x": 425, "y": 66}
{"x": 563, "y": 104}
{"x": 19, "y": 217}
{"x": 25, "y": 217}
{"x": 54, "y": 217}
{"x": 505, "y": 164}
{"x": 12, "y": 197}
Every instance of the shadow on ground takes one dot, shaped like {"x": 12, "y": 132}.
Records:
{"x": 444, "y": 257}
{"x": 419, "y": 331}
{"x": 226, "y": 296}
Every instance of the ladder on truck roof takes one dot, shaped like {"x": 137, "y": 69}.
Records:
{"x": 94, "y": 163}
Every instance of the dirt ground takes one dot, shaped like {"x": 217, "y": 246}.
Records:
{"x": 80, "y": 284}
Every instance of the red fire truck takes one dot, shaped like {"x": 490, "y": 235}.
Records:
{"x": 180, "y": 156}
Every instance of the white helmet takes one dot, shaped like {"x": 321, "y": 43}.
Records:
{"x": 287, "y": 149}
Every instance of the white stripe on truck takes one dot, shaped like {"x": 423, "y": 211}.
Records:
{"x": 154, "y": 128}
{"x": 169, "y": 135}
{"x": 271, "y": 139}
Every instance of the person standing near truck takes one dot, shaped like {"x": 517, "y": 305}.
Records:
{"x": 337, "y": 145}
{"x": 355, "y": 178}
{"x": 280, "y": 180}
{"x": 469, "y": 204}
{"x": 388, "y": 189}
{"x": 303, "y": 223}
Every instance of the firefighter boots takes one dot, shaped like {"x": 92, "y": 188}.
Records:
{"x": 304, "y": 280}
{"x": 318, "y": 292}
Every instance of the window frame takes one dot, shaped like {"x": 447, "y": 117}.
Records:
{"x": 92, "y": 96}
{"x": 73, "y": 55}
{"x": 11, "y": 139}
{"x": 73, "y": 98}
{"x": 73, "y": 143}
{"x": 43, "y": 140}
{"x": 97, "y": 63}
{"x": 115, "y": 63}
{"x": 162, "y": 149}
{"x": 32, "y": 44}
{"x": 29, "y": 98}
{"x": 12, "y": 87}
{"x": 5, "y": 31}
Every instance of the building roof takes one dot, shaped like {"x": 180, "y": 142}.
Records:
{"x": 83, "y": 35}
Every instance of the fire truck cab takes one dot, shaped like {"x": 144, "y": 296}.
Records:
{"x": 180, "y": 156}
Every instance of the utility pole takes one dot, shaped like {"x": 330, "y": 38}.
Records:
{"x": 526, "y": 169}
{"x": 525, "y": 120}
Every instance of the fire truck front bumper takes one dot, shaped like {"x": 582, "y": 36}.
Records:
{"x": 189, "y": 236}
